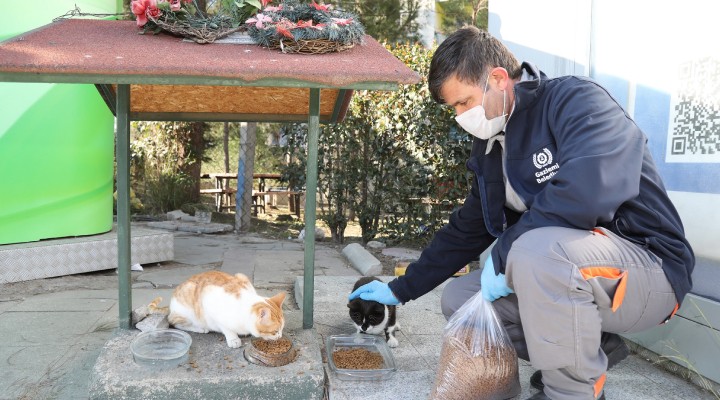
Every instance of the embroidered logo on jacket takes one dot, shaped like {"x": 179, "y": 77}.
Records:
{"x": 542, "y": 158}
{"x": 542, "y": 161}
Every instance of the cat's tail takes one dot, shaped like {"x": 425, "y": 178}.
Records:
{"x": 154, "y": 309}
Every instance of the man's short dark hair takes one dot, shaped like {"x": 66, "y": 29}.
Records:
{"x": 469, "y": 54}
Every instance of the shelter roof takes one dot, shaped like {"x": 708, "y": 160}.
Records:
{"x": 175, "y": 79}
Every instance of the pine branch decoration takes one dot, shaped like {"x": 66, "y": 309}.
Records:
{"x": 311, "y": 28}
{"x": 291, "y": 26}
{"x": 184, "y": 18}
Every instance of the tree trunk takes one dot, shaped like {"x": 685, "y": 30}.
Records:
{"x": 226, "y": 150}
{"x": 197, "y": 147}
{"x": 246, "y": 164}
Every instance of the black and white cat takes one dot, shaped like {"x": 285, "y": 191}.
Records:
{"x": 373, "y": 317}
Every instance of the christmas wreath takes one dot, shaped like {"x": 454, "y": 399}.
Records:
{"x": 291, "y": 26}
{"x": 311, "y": 28}
{"x": 183, "y": 17}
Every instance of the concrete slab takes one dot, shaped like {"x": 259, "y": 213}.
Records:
{"x": 66, "y": 301}
{"x": 330, "y": 262}
{"x": 191, "y": 226}
{"x": 253, "y": 239}
{"x": 275, "y": 267}
{"x": 69, "y": 374}
{"x": 402, "y": 385}
{"x": 280, "y": 258}
{"x": 200, "y": 249}
{"x": 240, "y": 260}
{"x": 402, "y": 253}
{"x": 6, "y": 304}
{"x": 418, "y": 352}
{"x": 49, "y": 348}
{"x": 48, "y": 327}
{"x": 362, "y": 260}
{"x": 213, "y": 371}
{"x": 333, "y": 322}
{"x": 635, "y": 378}
{"x": 271, "y": 279}
{"x": 168, "y": 278}
{"x": 19, "y": 367}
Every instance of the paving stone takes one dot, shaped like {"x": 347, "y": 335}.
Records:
{"x": 402, "y": 253}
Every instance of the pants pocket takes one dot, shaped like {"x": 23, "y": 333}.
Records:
{"x": 608, "y": 285}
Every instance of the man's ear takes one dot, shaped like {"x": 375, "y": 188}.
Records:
{"x": 499, "y": 78}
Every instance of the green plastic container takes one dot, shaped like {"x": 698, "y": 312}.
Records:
{"x": 56, "y": 145}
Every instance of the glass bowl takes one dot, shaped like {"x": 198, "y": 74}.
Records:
{"x": 161, "y": 348}
{"x": 375, "y": 344}
{"x": 257, "y": 356}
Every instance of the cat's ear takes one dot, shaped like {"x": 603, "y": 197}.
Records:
{"x": 278, "y": 299}
{"x": 264, "y": 314}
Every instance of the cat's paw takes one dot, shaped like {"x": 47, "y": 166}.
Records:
{"x": 234, "y": 342}
{"x": 393, "y": 342}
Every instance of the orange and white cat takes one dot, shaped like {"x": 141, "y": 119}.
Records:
{"x": 219, "y": 302}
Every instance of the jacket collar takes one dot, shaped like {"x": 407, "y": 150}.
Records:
{"x": 528, "y": 91}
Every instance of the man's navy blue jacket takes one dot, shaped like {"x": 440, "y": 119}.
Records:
{"x": 576, "y": 160}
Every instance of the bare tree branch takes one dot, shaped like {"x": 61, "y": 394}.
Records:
{"x": 478, "y": 6}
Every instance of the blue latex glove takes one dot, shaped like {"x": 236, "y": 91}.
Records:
{"x": 375, "y": 291}
{"x": 493, "y": 286}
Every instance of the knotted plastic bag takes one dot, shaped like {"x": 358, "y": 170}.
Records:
{"x": 477, "y": 360}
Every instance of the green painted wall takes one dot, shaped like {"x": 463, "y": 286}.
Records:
{"x": 56, "y": 144}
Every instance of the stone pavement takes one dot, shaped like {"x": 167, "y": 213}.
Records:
{"x": 53, "y": 340}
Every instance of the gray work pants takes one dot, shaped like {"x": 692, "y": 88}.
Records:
{"x": 570, "y": 285}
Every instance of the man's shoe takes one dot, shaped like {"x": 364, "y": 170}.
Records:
{"x": 543, "y": 396}
{"x": 611, "y": 343}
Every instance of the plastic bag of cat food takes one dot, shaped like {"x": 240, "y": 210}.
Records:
{"x": 477, "y": 360}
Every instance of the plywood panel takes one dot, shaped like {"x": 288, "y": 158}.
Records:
{"x": 227, "y": 100}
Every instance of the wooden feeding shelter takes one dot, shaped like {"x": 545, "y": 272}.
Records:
{"x": 162, "y": 77}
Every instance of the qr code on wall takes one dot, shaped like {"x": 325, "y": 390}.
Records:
{"x": 694, "y": 131}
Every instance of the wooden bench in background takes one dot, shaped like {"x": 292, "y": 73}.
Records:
{"x": 224, "y": 194}
{"x": 223, "y": 197}
{"x": 258, "y": 199}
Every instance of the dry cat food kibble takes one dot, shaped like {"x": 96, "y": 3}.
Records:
{"x": 357, "y": 358}
{"x": 271, "y": 353}
{"x": 490, "y": 375}
{"x": 279, "y": 346}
